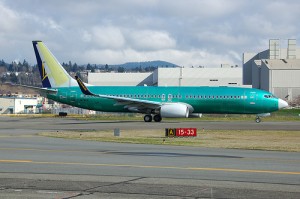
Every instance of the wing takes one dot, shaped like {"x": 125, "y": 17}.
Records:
{"x": 135, "y": 105}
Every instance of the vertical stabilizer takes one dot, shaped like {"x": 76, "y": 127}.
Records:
{"x": 52, "y": 73}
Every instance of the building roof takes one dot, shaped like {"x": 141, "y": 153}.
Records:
{"x": 282, "y": 64}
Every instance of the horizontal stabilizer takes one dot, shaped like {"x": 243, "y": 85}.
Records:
{"x": 42, "y": 91}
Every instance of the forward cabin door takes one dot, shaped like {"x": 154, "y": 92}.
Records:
{"x": 73, "y": 96}
{"x": 253, "y": 97}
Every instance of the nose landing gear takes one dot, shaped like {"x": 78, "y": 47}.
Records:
{"x": 257, "y": 119}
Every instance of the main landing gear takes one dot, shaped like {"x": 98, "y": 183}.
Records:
{"x": 257, "y": 119}
{"x": 148, "y": 118}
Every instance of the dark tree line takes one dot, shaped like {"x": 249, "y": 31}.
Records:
{"x": 24, "y": 73}
{"x": 19, "y": 73}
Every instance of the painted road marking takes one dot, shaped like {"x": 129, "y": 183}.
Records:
{"x": 53, "y": 150}
{"x": 17, "y": 136}
{"x": 156, "y": 167}
{"x": 16, "y": 161}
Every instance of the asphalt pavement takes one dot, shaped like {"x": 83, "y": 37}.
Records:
{"x": 40, "y": 167}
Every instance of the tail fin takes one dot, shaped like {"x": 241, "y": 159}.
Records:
{"x": 52, "y": 73}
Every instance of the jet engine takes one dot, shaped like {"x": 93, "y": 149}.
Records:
{"x": 174, "y": 110}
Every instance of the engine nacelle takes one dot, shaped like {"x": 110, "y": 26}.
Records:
{"x": 174, "y": 110}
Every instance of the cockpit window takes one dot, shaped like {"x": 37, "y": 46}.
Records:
{"x": 269, "y": 96}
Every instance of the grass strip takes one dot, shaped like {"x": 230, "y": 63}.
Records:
{"x": 231, "y": 139}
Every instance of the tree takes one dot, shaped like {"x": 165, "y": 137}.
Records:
{"x": 25, "y": 66}
{"x": 11, "y": 67}
{"x": 66, "y": 67}
{"x": 121, "y": 69}
{"x": 2, "y": 63}
{"x": 75, "y": 67}
{"x": 13, "y": 78}
{"x": 3, "y": 79}
{"x": 78, "y": 74}
{"x": 89, "y": 67}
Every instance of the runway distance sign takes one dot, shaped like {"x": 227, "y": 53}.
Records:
{"x": 181, "y": 132}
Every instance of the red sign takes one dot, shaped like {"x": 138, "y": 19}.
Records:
{"x": 186, "y": 132}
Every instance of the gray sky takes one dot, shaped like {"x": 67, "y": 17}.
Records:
{"x": 184, "y": 32}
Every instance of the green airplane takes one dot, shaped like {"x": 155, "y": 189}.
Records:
{"x": 154, "y": 101}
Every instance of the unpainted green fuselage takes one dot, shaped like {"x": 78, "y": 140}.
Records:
{"x": 229, "y": 100}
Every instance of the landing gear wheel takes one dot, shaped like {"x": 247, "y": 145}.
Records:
{"x": 148, "y": 118}
{"x": 257, "y": 120}
{"x": 157, "y": 118}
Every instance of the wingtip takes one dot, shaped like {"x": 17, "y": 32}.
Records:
{"x": 82, "y": 87}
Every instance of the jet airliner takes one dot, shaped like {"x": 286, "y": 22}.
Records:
{"x": 154, "y": 101}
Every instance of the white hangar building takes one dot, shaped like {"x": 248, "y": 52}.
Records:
{"x": 276, "y": 70}
{"x": 225, "y": 76}
{"x": 16, "y": 105}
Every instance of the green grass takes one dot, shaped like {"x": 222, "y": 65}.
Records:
{"x": 237, "y": 139}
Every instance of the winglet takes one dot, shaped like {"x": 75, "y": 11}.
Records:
{"x": 82, "y": 87}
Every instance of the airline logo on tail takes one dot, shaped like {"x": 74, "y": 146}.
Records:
{"x": 44, "y": 74}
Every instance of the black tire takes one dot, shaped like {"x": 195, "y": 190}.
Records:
{"x": 157, "y": 118}
{"x": 257, "y": 120}
{"x": 148, "y": 118}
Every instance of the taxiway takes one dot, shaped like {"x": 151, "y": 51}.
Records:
{"x": 34, "y": 166}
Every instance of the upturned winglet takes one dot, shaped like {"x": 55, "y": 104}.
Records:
{"x": 82, "y": 87}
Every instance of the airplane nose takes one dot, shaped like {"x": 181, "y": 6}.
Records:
{"x": 282, "y": 104}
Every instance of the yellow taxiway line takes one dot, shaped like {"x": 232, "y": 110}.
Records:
{"x": 156, "y": 167}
